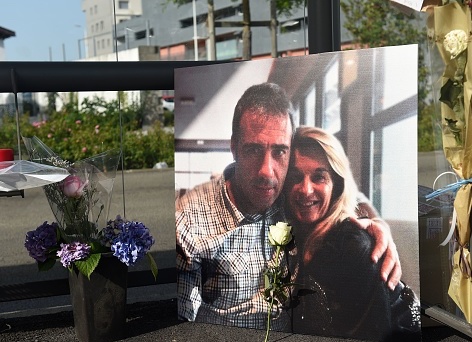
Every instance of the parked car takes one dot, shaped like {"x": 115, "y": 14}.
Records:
{"x": 168, "y": 103}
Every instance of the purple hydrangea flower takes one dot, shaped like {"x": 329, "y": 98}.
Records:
{"x": 133, "y": 242}
{"x": 39, "y": 242}
{"x": 111, "y": 231}
{"x": 71, "y": 252}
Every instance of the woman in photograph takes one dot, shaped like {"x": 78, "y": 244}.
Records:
{"x": 338, "y": 289}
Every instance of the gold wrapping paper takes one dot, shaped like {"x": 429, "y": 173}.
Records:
{"x": 444, "y": 19}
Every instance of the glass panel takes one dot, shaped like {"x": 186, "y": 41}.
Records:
{"x": 387, "y": 181}
{"x": 310, "y": 108}
{"x": 396, "y": 91}
{"x": 77, "y": 126}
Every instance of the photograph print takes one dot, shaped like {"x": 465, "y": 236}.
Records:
{"x": 290, "y": 175}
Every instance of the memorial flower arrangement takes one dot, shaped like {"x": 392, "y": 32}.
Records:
{"x": 449, "y": 26}
{"x": 275, "y": 283}
{"x": 80, "y": 204}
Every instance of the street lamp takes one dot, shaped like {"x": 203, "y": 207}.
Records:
{"x": 127, "y": 37}
{"x": 195, "y": 39}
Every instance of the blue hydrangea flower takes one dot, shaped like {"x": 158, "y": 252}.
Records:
{"x": 111, "y": 231}
{"x": 39, "y": 242}
{"x": 71, "y": 252}
{"x": 132, "y": 243}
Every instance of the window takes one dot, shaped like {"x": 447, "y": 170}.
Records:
{"x": 387, "y": 182}
{"x": 140, "y": 35}
{"x": 310, "y": 107}
{"x": 123, "y": 4}
{"x": 292, "y": 25}
{"x": 95, "y": 9}
{"x": 331, "y": 101}
{"x": 101, "y": 25}
{"x": 219, "y": 14}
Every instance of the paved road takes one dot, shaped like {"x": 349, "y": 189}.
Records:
{"x": 149, "y": 197}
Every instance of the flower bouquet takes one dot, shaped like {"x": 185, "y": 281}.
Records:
{"x": 449, "y": 26}
{"x": 80, "y": 204}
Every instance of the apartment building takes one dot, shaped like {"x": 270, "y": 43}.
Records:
{"x": 100, "y": 19}
{"x": 182, "y": 33}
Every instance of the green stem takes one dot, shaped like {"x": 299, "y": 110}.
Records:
{"x": 272, "y": 297}
{"x": 268, "y": 319}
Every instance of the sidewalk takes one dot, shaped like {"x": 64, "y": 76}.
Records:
{"x": 157, "y": 321}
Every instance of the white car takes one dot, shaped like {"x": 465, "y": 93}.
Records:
{"x": 168, "y": 103}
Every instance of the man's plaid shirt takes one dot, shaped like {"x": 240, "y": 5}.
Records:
{"x": 221, "y": 256}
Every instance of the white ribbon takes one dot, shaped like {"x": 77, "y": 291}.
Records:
{"x": 450, "y": 187}
{"x": 451, "y": 230}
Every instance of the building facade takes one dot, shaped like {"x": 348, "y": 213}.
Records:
{"x": 171, "y": 28}
{"x": 182, "y": 32}
{"x": 100, "y": 23}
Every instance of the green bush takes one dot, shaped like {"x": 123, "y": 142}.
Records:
{"x": 429, "y": 129}
{"x": 140, "y": 148}
{"x": 77, "y": 134}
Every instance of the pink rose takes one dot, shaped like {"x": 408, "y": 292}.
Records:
{"x": 84, "y": 149}
{"x": 73, "y": 186}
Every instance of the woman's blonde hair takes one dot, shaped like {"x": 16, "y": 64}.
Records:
{"x": 344, "y": 198}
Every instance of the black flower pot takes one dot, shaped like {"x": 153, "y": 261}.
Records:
{"x": 99, "y": 304}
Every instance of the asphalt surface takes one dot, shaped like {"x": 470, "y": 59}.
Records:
{"x": 156, "y": 321}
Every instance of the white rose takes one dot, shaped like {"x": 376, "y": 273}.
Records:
{"x": 455, "y": 42}
{"x": 279, "y": 235}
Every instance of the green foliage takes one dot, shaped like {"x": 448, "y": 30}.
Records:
{"x": 76, "y": 134}
{"x": 376, "y": 23}
{"x": 429, "y": 124}
{"x": 285, "y": 7}
{"x": 153, "y": 265}
{"x": 155, "y": 145}
{"x": 87, "y": 266}
{"x": 168, "y": 118}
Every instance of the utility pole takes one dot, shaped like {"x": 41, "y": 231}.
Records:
{"x": 195, "y": 38}
{"x": 273, "y": 28}
{"x": 247, "y": 53}
{"x": 211, "y": 31}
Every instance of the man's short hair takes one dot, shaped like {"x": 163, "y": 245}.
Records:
{"x": 266, "y": 98}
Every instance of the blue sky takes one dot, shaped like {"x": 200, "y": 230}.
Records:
{"x": 41, "y": 26}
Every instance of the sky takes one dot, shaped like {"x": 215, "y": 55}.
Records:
{"x": 42, "y": 28}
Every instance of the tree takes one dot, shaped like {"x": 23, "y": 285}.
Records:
{"x": 281, "y": 7}
{"x": 376, "y": 23}
{"x": 277, "y": 7}
{"x": 210, "y": 25}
